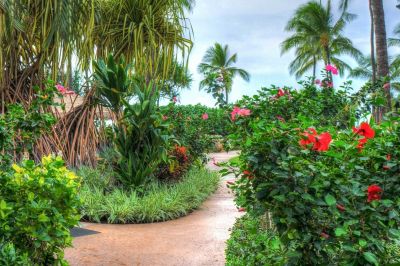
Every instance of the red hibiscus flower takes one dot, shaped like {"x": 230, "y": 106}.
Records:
{"x": 386, "y": 86}
{"x": 280, "y": 93}
{"x": 63, "y": 90}
{"x": 364, "y": 130}
{"x": 280, "y": 118}
{"x": 340, "y": 207}
{"x": 309, "y": 135}
{"x": 324, "y": 235}
{"x": 241, "y": 209}
{"x": 388, "y": 157}
{"x": 374, "y": 193}
{"x": 248, "y": 174}
{"x": 361, "y": 143}
{"x": 322, "y": 142}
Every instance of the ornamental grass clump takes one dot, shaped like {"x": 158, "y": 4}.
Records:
{"x": 336, "y": 194}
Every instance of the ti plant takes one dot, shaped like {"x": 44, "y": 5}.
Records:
{"x": 112, "y": 83}
{"x": 141, "y": 138}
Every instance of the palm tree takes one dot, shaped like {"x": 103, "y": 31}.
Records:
{"x": 149, "y": 33}
{"x": 178, "y": 79}
{"x": 396, "y": 41}
{"x": 382, "y": 59}
{"x": 39, "y": 39}
{"x": 317, "y": 37}
{"x": 219, "y": 62}
{"x": 365, "y": 71}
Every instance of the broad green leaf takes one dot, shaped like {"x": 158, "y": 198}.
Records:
{"x": 371, "y": 258}
{"x": 362, "y": 242}
{"x": 43, "y": 218}
{"x": 330, "y": 200}
{"x": 340, "y": 231}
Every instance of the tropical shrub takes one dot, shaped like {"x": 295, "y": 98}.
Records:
{"x": 21, "y": 126}
{"x": 253, "y": 243}
{"x": 178, "y": 163}
{"x": 196, "y": 126}
{"x": 9, "y": 256}
{"x": 139, "y": 136}
{"x": 330, "y": 188}
{"x": 38, "y": 206}
{"x": 141, "y": 139}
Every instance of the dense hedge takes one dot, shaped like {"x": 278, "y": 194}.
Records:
{"x": 197, "y": 127}
{"x": 331, "y": 188}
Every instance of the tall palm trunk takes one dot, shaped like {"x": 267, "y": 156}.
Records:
{"x": 373, "y": 63}
{"x": 381, "y": 45}
{"x": 328, "y": 60}
{"x": 226, "y": 95}
{"x": 375, "y": 111}
{"x": 314, "y": 66}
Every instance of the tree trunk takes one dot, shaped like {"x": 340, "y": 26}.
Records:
{"x": 328, "y": 61}
{"x": 373, "y": 63}
{"x": 375, "y": 110}
{"x": 381, "y": 45}
{"x": 226, "y": 95}
{"x": 314, "y": 67}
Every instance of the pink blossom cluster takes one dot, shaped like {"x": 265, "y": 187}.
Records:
{"x": 63, "y": 90}
{"x": 239, "y": 112}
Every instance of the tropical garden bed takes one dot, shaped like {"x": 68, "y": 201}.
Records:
{"x": 158, "y": 202}
{"x": 321, "y": 161}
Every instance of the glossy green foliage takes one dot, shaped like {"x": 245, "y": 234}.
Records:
{"x": 194, "y": 131}
{"x": 141, "y": 139}
{"x": 21, "y": 127}
{"x": 38, "y": 206}
{"x": 112, "y": 83}
{"x": 319, "y": 199}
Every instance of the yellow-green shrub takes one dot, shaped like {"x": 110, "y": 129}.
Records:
{"x": 38, "y": 206}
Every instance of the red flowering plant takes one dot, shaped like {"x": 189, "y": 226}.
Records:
{"x": 330, "y": 196}
{"x": 177, "y": 165}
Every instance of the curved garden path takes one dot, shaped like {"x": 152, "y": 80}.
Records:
{"x": 197, "y": 239}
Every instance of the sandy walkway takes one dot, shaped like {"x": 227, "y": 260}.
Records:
{"x": 197, "y": 239}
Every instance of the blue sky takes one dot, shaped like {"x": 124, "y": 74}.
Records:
{"x": 254, "y": 29}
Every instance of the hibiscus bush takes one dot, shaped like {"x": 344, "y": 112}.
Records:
{"x": 197, "y": 127}
{"x": 331, "y": 188}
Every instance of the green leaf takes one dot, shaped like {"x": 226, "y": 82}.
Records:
{"x": 340, "y": 231}
{"x": 43, "y": 218}
{"x": 3, "y": 205}
{"x": 330, "y": 200}
{"x": 362, "y": 242}
{"x": 371, "y": 258}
